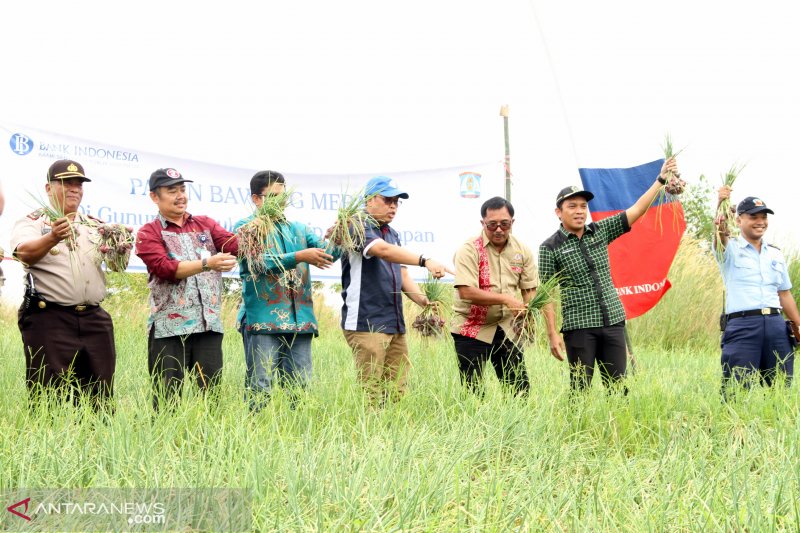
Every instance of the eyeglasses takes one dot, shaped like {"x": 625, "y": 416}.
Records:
{"x": 394, "y": 200}
{"x": 269, "y": 194}
{"x": 504, "y": 224}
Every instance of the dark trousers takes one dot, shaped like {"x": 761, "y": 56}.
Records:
{"x": 605, "y": 345}
{"x": 64, "y": 347}
{"x": 505, "y": 357}
{"x": 756, "y": 347}
{"x": 171, "y": 358}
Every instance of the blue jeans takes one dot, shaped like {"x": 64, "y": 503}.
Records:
{"x": 282, "y": 357}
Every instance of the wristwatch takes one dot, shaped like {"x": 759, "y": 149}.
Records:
{"x": 206, "y": 268}
{"x": 661, "y": 180}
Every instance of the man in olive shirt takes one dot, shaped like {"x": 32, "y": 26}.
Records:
{"x": 68, "y": 337}
{"x": 593, "y": 316}
{"x": 491, "y": 271}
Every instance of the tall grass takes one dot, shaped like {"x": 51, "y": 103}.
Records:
{"x": 668, "y": 457}
{"x": 687, "y": 317}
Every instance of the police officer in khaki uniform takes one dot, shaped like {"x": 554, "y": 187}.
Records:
{"x": 68, "y": 338}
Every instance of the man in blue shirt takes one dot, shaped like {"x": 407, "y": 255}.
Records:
{"x": 755, "y": 341}
{"x": 372, "y": 286}
{"x": 277, "y": 315}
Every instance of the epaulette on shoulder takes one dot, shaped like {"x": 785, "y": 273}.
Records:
{"x": 36, "y": 214}
{"x": 554, "y": 241}
{"x": 773, "y": 246}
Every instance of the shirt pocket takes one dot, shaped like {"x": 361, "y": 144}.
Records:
{"x": 777, "y": 271}
{"x": 598, "y": 251}
{"x": 516, "y": 265}
{"x": 744, "y": 261}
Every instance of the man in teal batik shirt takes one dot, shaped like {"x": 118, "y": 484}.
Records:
{"x": 277, "y": 315}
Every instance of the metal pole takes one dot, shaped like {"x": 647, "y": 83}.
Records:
{"x": 504, "y": 114}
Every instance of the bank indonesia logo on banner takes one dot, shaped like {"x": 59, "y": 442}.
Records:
{"x": 21, "y": 144}
{"x": 470, "y": 184}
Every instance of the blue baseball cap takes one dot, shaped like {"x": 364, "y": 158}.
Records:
{"x": 383, "y": 186}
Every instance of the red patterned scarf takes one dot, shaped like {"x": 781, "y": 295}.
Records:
{"x": 477, "y": 313}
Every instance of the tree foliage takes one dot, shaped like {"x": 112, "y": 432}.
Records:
{"x": 698, "y": 207}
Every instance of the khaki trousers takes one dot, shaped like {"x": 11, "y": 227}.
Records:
{"x": 381, "y": 362}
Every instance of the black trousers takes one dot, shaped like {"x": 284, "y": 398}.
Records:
{"x": 605, "y": 345}
{"x": 65, "y": 347}
{"x": 505, "y": 357}
{"x": 171, "y": 358}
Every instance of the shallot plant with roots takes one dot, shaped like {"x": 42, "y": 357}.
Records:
{"x": 431, "y": 320}
{"x": 259, "y": 238}
{"x": 349, "y": 230}
{"x": 725, "y": 217}
{"x": 114, "y": 246}
{"x": 55, "y": 212}
{"x": 673, "y": 188}
{"x": 675, "y": 185}
{"x": 525, "y": 324}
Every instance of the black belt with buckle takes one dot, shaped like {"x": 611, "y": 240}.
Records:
{"x": 42, "y": 304}
{"x": 766, "y": 311}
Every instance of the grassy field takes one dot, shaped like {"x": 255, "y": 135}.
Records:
{"x": 669, "y": 456}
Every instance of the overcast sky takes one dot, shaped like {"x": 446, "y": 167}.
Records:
{"x": 373, "y": 86}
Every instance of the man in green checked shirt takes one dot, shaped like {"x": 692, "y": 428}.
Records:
{"x": 593, "y": 318}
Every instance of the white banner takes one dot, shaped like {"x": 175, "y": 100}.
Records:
{"x": 442, "y": 212}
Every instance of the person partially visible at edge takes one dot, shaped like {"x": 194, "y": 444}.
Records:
{"x": 2, "y": 252}
{"x": 493, "y": 270}
{"x": 593, "y": 324}
{"x": 276, "y": 318}
{"x": 185, "y": 256}
{"x": 68, "y": 338}
{"x": 373, "y": 283}
{"x": 755, "y": 338}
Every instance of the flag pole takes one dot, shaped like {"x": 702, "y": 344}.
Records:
{"x": 507, "y": 163}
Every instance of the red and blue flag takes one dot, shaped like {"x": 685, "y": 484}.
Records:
{"x": 641, "y": 258}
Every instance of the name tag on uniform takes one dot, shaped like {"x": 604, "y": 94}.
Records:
{"x": 205, "y": 254}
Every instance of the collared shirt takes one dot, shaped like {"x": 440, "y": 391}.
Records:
{"x": 509, "y": 271}
{"x": 64, "y": 276}
{"x": 372, "y": 289}
{"x": 189, "y": 305}
{"x": 588, "y": 296}
{"x": 753, "y": 279}
{"x": 280, "y": 301}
